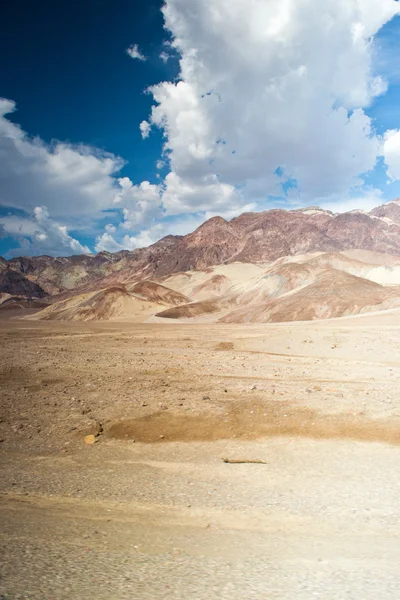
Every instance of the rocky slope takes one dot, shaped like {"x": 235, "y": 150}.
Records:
{"x": 249, "y": 238}
{"x": 15, "y": 284}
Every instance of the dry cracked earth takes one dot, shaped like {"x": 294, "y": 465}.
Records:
{"x": 151, "y": 510}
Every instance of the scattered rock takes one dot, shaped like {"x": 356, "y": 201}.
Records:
{"x": 206, "y": 397}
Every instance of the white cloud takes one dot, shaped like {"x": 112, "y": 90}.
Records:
{"x": 106, "y": 243}
{"x": 178, "y": 226}
{"x": 134, "y": 52}
{"x": 41, "y": 235}
{"x": 141, "y": 204}
{"x": 76, "y": 183}
{"x": 145, "y": 128}
{"x": 110, "y": 228}
{"x": 164, "y": 57}
{"x": 282, "y": 83}
{"x": 366, "y": 200}
{"x": 391, "y": 152}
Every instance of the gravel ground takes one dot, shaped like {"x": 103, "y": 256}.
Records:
{"x": 151, "y": 510}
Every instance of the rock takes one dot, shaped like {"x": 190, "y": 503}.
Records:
{"x": 206, "y": 397}
{"x": 98, "y": 428}
{"x": 90, "y": 440}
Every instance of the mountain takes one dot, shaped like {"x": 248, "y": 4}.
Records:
{"x": 15, "y": 284}
{"x": 249, "y": 238}
{"x": 310, "y": 286}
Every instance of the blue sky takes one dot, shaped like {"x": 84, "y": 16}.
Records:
{"x": 219, "y": 109}
{"x": 64, "y": 64}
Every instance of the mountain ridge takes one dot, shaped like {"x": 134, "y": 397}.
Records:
{"x": 247, "y": 238}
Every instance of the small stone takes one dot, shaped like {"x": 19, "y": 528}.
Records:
{"x": 90, "y": 440}
{"x": 144, "y": 403}
{"x": 206, "y": 397}
{"x": 162, "y": 437}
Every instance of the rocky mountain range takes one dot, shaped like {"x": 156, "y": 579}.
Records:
{"x": 249, "y": 238}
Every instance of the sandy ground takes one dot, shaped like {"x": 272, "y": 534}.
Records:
{"x": 151, "y": 511}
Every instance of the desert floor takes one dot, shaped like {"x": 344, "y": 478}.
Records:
{"x": 151, "y": 511}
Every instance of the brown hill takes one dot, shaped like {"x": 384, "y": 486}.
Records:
{"x": 17, "y": 303}
{"x": 113, "y": 303}
{"x": 188, "y": 311}
{"x": 155, "y": 292}
{"x": 333, "y": 294}
{"x": 249, "y": 238}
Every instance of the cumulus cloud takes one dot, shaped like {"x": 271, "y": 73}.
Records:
{"x": 183, "y": 225}
{"x": 134, "y": 52}
{"x": 391, "y": 152}
{"x": 145, "y": 128}
{"x": 141, "y": 203}
{"x": 39, "y": 234}
{"x": 106, "y": 243}
{"x": 278, "y": 84}
{"x": 76, "y": 183}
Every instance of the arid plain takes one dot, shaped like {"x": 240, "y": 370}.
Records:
{"x": 151, "y": 510}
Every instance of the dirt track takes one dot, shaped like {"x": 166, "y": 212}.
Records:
{"x": 151, "y": 510}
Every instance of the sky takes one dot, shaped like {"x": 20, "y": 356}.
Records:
{"x": 122, "y": 121}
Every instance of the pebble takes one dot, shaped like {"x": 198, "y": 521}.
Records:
{"x": 90, "y": 440}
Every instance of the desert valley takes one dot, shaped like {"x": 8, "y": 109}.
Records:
{"x": 215, "y": 416}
